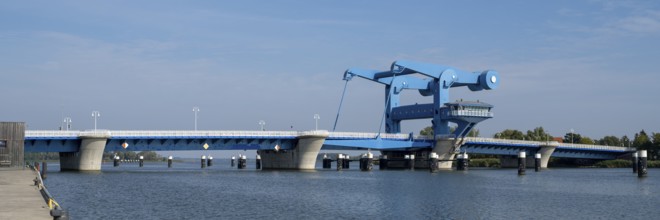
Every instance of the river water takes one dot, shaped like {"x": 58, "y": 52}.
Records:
{"x": 222, "y": 192}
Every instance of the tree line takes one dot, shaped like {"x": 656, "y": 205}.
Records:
{"x": 132, "y": 155}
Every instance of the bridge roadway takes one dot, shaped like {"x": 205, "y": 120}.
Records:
{"x": 70, "y": 141}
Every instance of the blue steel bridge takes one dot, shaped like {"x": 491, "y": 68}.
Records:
{"x": 82, "y": 150}
{"x": 70, "y": 141}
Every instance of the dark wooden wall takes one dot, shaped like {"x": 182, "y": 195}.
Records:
{"x": 13, "y": 134}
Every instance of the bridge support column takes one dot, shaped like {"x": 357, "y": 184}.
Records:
{"x": 302, "y": 157}
{"x": 444, "y": 148}
{"x": 88, "y": 157}
{"x": 546, "y": 151}
{"x": 511, "y": 161}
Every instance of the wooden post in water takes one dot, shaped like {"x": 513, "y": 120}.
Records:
{"x": 203, "y": 161}
{"x": 169, "y": 162}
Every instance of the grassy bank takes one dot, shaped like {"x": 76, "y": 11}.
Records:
{"x": 624, "y": 164}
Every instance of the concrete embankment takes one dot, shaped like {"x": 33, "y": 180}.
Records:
{"x": 19, "y": 197}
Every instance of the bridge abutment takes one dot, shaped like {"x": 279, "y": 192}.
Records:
{"x": 302, "y": 157}
{"x": 89, "y": 157}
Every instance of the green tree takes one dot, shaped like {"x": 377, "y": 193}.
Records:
{"x": 473, "y": 133}
{"x": 642, "y": 141}
{"x": 511, "y": 134}
{"x": 572, "y": 138}
{"x": 586, "y": 140}
{"x": 538, "y": 134}
{"x": 427, "y": 131}
{"x": 626, "y": 141}
{"x": 656, "y": 146}
{"x": 610, "y": 141}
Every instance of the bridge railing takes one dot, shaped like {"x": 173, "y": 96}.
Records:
{"x": 183, "y": 133}
{"x": 366, "y": 135}
{"x": 55, "y": 133}
{"x": 565, "y": 145}
{"x": 598, "y": 147}
{"x": 170, "y": 133}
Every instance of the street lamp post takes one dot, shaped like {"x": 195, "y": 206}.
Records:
{"x": 195, "y": 109}
{"x": 572, "y": 136}
{"x": 316, "y": 118}
{"x": 262, "y": 123}
{"x": 95, "y": 114}
{"x": 67, "y": 123}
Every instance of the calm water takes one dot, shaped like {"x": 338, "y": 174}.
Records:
{"x": 220, "y": 192}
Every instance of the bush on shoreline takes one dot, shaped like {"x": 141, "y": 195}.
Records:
{"x": 620, "y": 163}
{"x": 485, "y": 162}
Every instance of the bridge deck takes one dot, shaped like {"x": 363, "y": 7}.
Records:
{"x": 67, "y": 141}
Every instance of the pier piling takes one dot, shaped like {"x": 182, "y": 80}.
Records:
{"x": 115, "y": 161}
{"x": 327, "y": 162}
{"x": 258, "y": 163}
{"x": 522, "y": 164}
{"x": 641, "y": 167}
{"x": 635, "y": 159}
{"x": 537, "y": 162}
{"x": 433, "y": 162}
{"x": 382, "y": 163}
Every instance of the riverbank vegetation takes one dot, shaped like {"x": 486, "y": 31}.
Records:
{"x": 624, "y": 164}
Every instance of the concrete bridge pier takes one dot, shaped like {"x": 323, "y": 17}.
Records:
{"x": 89, "y": 156}
{"x": 546, "y": 151}
{"x": 444, "y": 148}
{"x": 302, "y": 157}
{"x": 511, "y": 161}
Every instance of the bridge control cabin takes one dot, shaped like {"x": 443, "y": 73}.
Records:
{"x": 468, "y": 110}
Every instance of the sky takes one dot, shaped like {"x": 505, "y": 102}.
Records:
{"x": 590, "y": 66}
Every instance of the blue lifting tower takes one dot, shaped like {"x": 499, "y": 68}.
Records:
{"x": 439, "y": 79}
{"x": 431, "y": 80}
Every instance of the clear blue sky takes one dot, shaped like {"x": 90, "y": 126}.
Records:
{"x": 587, "y": 65}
